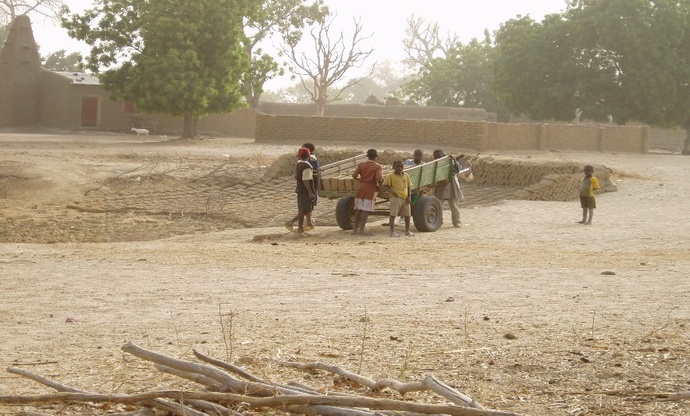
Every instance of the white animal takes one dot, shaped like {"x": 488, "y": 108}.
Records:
{"x": 578, "y": 113}
{"x": 140, "y": 131}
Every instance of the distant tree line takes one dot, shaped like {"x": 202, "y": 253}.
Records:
{"x": 607, "y": 60}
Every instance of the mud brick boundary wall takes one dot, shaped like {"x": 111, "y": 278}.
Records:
{"x": 369, "y": 131}
{"x": 477, "y": 136}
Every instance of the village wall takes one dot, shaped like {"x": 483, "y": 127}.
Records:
{"x": 239, "y": 123}
{"x": 369, "y": 131}
{"x": 462, "y": 135}
{"x": 668, "y": 139}
{"x": 379, "y": 111}
{"x": 56, "y": 106}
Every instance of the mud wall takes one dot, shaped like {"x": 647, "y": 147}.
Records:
{"x": 477, "y": 136}
{"x": 363, "y": 131}
{"x": 379, "y": 111}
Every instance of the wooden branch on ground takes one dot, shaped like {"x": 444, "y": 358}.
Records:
{"x": 372, "y": 385}
{"x": 41, "y": 380}
{"x": 430, "y": 383}
{"x": 444, "y": 390}
{"x": 257, "y": 394}
{"x": 197, "y": 378}
{"x": 174, "y": 408}
{"x": 257, "y": 402}
{"x": 213, "y": 408}
{"x": 227, "y": 382}
{"x": 227, "y": 366}
{"x": 240, "y": 372}
{"x": 683, "y": 395}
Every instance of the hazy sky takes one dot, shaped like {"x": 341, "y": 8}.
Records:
{"x": 384, "y": 20}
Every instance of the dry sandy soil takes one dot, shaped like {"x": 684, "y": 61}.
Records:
{"x": 520, "y": 308}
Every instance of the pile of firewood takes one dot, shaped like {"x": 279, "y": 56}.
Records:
{"x": 230, "y": 390}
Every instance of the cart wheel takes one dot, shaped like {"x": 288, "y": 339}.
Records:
{"x": 345, "y": 213}
{"x": 427, "y": 213}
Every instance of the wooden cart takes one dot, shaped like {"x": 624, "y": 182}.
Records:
{"x": 336, "y": 182}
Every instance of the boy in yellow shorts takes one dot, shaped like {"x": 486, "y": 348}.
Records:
{"x": 398, "y": 185}
{"x": 587, "y": 201}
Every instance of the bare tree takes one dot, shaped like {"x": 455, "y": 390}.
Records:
{"x": 333, "y": 59}
{"x": 424, "y": 42}
{"x": 267, "y": 18}
{"x": 48, "y": 9}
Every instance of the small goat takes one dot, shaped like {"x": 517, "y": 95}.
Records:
{"x": 140, "y": 131}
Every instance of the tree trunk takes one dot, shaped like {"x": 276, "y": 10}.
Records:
{"x": 189, "y": 130}
{"x": 321, "y": 100}
{"x": 253, "y": 100}
{"x": 320, "y": 107}
{"x": 686, "y": 147}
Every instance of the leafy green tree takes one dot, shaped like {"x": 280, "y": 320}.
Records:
{"x": 178, "y": 57}
{"x": 268, "y": 18}
{"x": 61, "y": 61}
{"x": 526, "y": 55}
{"x": 624, "y": 58}
{"x": 546, "y": 70}
{"x": 462, "y": 79}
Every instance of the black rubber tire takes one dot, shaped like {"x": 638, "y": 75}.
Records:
{"x": 345, "y": 213}
{"x": 427, "y": 214}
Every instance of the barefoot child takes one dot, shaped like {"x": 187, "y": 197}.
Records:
{"x": 398, "y": 184}
{"x": 305, "y": 190}
{"x": 314, "y": 162}
{"x": 587, "y": 201}
{"x": 370, "y": 174}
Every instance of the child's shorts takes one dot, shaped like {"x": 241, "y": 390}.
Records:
{"x": 399, "y": 207}
{"x": 588, "y": 202}
{"x": 304, "y": 203}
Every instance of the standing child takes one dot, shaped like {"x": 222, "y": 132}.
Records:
{"x": 370, "y": 174}
{"x": 587, "y": 201}
{"x": 314, "y": 162}
{"x": 398, "y": 184}
{"x": 305, "y": 190}
{"x": 415, "y": 161}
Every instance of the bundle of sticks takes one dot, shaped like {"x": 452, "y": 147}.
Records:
{"x": 231, "y": 390}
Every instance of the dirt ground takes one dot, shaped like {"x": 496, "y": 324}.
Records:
{"x": 107, "y": 238}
